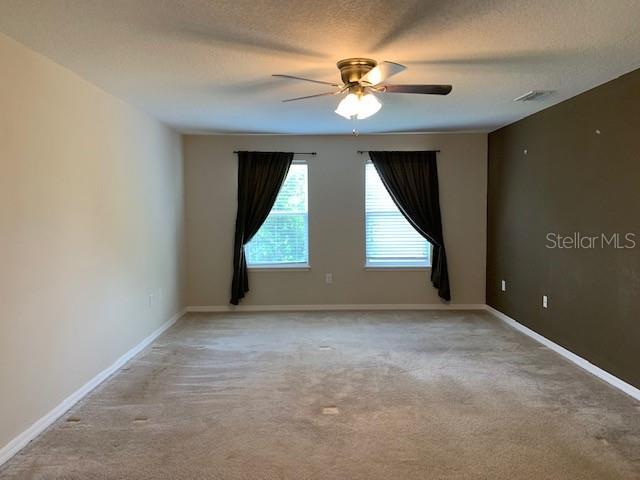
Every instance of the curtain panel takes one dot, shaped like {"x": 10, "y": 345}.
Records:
{"x": 411, "y": 178}
{"x": 260, "y": 177}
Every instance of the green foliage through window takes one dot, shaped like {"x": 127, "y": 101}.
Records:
{"x": 283, "y": 237}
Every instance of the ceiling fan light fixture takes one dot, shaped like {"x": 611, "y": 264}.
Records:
{"x": 369, "y": 105}
{"x": 361, "y": 76}
{"x": 359, "y": 106}
{"x": 348, "y": 106}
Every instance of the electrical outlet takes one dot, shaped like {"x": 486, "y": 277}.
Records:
{"x": 503, "y": 285}
{"x": 545, "y": 302}
{"x": 328, "y": 278}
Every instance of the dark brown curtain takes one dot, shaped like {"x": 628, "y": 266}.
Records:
{"x": 260, "y": 176}
{"x": 411, "y": 178}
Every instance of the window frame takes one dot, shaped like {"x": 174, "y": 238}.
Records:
{"x": 393, "y": 267}
{"x": 290, "y": 267}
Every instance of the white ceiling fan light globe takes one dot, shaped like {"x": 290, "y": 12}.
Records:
{"x": 360, "y": 107}
{"x": 348, "y": 106}
{"x": 369, "y": 105}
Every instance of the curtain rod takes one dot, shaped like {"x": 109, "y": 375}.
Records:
{"x": 367, "y": 151}
{"x": 295, "y": 153}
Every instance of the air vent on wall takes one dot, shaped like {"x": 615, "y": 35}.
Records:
{"x": 533, "y": 95}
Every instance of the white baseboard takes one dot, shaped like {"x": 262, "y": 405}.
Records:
{"x": 19, "y": 442}
{"x": 334, "y": 307}
{"x": 572, "y": 357}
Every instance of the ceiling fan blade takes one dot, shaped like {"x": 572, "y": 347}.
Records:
{"x": 306, "y": 80}
{"x": 310, "y": 96}
{"x": 424, "y": 89}
{"x": 381, "y": 72}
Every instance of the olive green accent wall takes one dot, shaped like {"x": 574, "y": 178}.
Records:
{"x": 574, "y": 167}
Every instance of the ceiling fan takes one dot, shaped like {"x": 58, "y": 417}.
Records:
{"x": 361, "y": 78}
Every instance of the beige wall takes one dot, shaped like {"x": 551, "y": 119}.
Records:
{"x": 336, "y": 221}
{"x": 91, "y": 221}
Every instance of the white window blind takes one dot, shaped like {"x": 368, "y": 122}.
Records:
{"x": 391, "y": 241}
{"x": 283, "y": 238}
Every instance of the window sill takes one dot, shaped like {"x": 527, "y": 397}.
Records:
{"x": 280, "y": 268}
{"x": 396, "y": 268}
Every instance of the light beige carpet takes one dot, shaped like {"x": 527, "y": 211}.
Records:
{"x": 350, "y": 395}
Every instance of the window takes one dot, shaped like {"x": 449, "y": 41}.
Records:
{"x": 391, "y": 241}
{"x": 283, "y": 240}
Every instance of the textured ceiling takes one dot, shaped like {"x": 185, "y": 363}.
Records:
{"x": 205, "y": 66}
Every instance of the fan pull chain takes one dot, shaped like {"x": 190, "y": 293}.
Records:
{"x": 355, "y": 131}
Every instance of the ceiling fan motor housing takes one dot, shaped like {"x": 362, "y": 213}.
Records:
{"x": 353, "y": 69}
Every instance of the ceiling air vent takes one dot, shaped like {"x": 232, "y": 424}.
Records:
{"x": 533, "y": 95}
